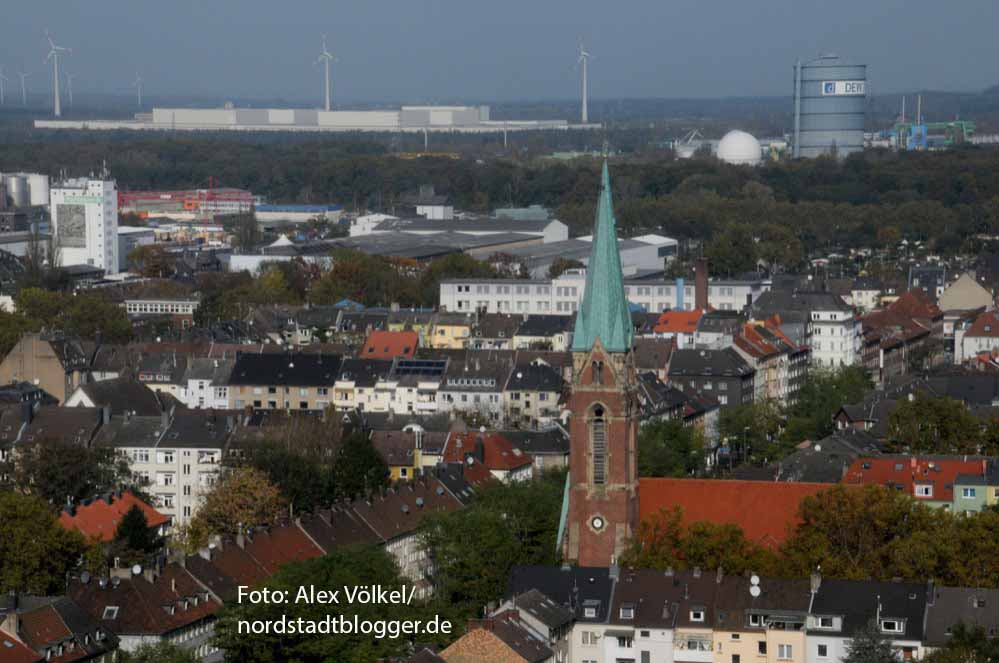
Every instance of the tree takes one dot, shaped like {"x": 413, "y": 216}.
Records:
{"x": 869, "y": 646}
{"x": 752, "y": 430}
{"x": 151, "y": 261}
{"x": 822, "y": 394}
{"x": 133, "y": 533}
{"x": 343, "y": 567}
{"x": 669, "y": 449}
{"x": 359, "y": 468}
{"x": 56, "y": 469}
{"x": 161, "y": 652}
{"x": 246, "y": 231}
{"x": 473, "y": 549}
{"x": 937, "y": 425}
{"x": 560, "y": 265}
{"x": 304, "y": 482}
{"x": 35, "y": 550}
{"x": 664, "y": 542}
{"x": 967, "y": 644}
{"x": 244, "y": 498}
{"x": 870, "y": 531}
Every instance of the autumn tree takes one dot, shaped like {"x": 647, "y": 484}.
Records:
{"x": 160, "y": 652}
{"x": 35, "y": 550}
{"x": 151, "y": 261}
{"x": 560, "y": 265}
{"x": 244, "y": 498}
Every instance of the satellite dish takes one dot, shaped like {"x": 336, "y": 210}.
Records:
{"x": 754, "y": 580}
{"x": 85, "y": 577}
{"x": 137, "y": 569}
{"x": 755, "y": 591}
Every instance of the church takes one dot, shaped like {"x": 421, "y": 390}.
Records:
{"x": 601, "y": 508}
{"x": 602, "y": 487}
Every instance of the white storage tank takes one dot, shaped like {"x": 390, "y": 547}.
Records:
{"x": 38, "y": 189}
{"x": 740, "y": 148}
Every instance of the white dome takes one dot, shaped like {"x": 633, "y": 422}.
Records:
{"x": 740, "y": 148}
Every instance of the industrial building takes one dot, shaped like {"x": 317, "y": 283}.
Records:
{"x": 830, "y": 106}
{"x": 640, "y": 254}
{"x": 561, "y": 296}
{"x": 194, "y": 203}
{"x": 131, "y": 238}
{"x": 85, "y": 223}
{"x": 468, "y": 119}
{"x": 551, "y": 230}
{"x": 274, "y": 214}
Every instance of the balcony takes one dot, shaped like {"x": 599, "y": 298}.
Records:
{"x": 693, "y": 649}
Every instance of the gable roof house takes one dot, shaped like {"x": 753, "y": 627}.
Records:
{"x": 99, "y": 518}
{"x": 56, "y": 364}
{"x": 294, "y": 381}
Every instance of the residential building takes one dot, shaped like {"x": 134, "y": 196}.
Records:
{"x": 475, "y": 385}
{"x": 716, "y": 330}
{"x": 357, "y": 385}
{"x": 548, "y": 448}
{"x": 532, "y": 395}
{"x": 723, "y": 374}
{"x": 652, "y": 355}
{"x": 946, "y": 607}
{"x": 499, "y": 639}
{"x": 894, "y": 345}
{"x": 494, "y": 332}
{"x": 760, "y": 619}
{"x": 207, "y": 383}
{"x": 931, "y": 278}
{"x": 828, "y": 325}
{"x": 390, "y": 344}
{"x": 965, "y": 294}
{"x": 679, "y": 326}
{"x": 54, "y": 628}
{"x": 294, "y": 381}
{"x": 932, "y": 480}
{"x": 85, "y": 223}
{"x": 401, "y": 452}
{"x": 412, "y": 386}
{"x": 978, "y": 336}
{"x": 840, "y": 608}
{"x": 781, "y": 365}
{"x": 494, "y": 451}
{"x": 178, "y": 311}
{"x": 544, "y": 332}
{"x": 451, "y": 331}
{"x": 57, "y": 365}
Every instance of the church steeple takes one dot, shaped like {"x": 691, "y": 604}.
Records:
{"x": 604, "y": 312}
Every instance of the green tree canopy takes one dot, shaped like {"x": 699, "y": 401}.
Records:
{"x": 36, "y": 551}
{"x": 669, "y": 449}
{"x": 359, "y": 468}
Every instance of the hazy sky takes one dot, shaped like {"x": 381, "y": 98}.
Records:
{"x": 427, "y": 50}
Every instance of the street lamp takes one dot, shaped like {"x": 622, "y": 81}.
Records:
{"x": 797, "y": 98}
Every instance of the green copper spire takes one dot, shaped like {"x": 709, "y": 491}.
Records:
{"x": 604, "y": 313}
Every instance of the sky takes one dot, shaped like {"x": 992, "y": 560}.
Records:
{"x": 426, "y": 51}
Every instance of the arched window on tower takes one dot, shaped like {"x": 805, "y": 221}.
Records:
{"x": 598, "y": 445}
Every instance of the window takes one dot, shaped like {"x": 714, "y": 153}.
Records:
{"x": 697, "y": 615}
{"x": 822, "y": 651}
{"x": 736, "y": 658}
{"x": 589, "y": 638}
{"x": 628, "y": 611}
{"x": 761, "y": 647}
{"x": 924, "y": 490}
{"x": 784, "y": 652}
{"x": 736, "y": 636}
{"x": 978, "y": 602}
{"x": 967, "y": 493}
{"x": 625, "y": 642}
{"x": 891, "y": 626}
{"x": 598, "y": 444}
{"x": 110, "y": 612}
{"x": 756, "y": 620}
{"x": 825, "y": 622}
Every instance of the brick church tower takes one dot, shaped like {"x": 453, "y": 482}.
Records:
{"x": 603, "y": 472}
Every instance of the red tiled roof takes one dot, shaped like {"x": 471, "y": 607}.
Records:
{"x": 389, "y": 345}
{"x": 100, "y": 519}
{"x": 499, "y": 453}
{"x": 765, "y": 510}
{"x": 916, "y": 304}
{"x": 678, "y": 322}
{"x": 44, "y": 626}
{"x": 985, "y": 325}
{"x": 906, "y": 472}
{"x": 279, "y": 545}
{"x": 14, "y": 651}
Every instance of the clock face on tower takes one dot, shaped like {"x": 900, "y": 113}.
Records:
{"x": 597, "y": 523}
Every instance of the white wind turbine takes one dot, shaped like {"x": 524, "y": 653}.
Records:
{"x": 138, "y": 88}
{"x": 3, "y": 86}
{"x": 584, "y": 60}
{"x": 69, "y": 86}
{"x": 326, "y": 58}
{"x": 24, "y": 89}
{"x": 54, "y": 56}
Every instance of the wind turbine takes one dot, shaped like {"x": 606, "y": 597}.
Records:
{"x": 54, "y": 56}
{"x": 326, "y": 57}
{"x": 24, "y": 89}
{"x": 584, "y": 59}
{"x": 138, "y": 88}
{"x": 3, "y": 86}
{"x": 69, "y": 86}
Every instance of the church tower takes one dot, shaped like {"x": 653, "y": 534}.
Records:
{"x": 603, "y": 472}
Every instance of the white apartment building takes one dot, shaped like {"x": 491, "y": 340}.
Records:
{"x": 561, "y": 296}
{"x": 85, "y": 223}
{"x": 836, "y": 337}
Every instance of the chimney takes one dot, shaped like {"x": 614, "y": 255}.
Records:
{"x": 480, "y": 449}
{"x": 720, "y": 575}
{"x": 106, "y": 415}
{"x": 816, "y": 581}
{"x": 11, "y": 622}
{"x": 701, "y": 284}
{"x": 241, "y": 540}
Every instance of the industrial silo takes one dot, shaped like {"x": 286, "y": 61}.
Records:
{"x": 38, "y": 189}
{"x": 17, "y": 190}
{"x": 831, "y": 109}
